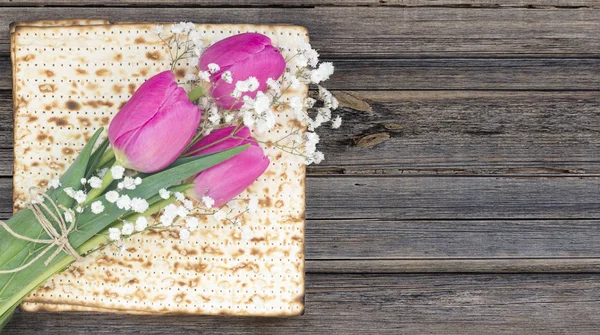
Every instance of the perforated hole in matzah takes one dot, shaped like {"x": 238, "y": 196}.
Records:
{"x": 70, "y": 80}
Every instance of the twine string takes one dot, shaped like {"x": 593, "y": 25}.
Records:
{"x": 58, "y": 237}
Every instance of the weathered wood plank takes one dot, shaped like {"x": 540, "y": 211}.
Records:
{"x": 453, "y": 197}
{"x": 381, "y": 31}
{"x": 566, "y": 4}
{"x": 439, "y": 132}
{"x": 382, "y": 304}
{"x": 449, "y": 74}
{"x": 441, "y": 198}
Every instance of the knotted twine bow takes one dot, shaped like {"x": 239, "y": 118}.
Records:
{"x": 58, "y": 238}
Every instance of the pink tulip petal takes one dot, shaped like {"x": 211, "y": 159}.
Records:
{"x": 230, "y": 178}
{"x": 216, "y": 135}
{"x": 162, "y": 138}
{"x": 143, "y": 105}
{"x": 233, "y": 49}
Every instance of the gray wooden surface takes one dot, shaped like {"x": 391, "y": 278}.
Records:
{"x": 461, "y": 194}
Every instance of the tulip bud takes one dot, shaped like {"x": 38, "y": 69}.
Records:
{"x": 238, "y": 58}
{"x": 154, "y": 126}
{"x": 227, "y": 180}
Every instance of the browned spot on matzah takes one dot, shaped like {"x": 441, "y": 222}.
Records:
{"x": 97, "y": 103}
{"x": 131, "y": 88}
{"x": 49, "y": 73}
{"x": 46, "y": 88}
{"x": 117, "y": 88}
{"x": 81, "y": 71}
{"x": 73, "y": 105}
{"x": 139, "y": 40}
{"x": 59, "y": 121}
{"x": 118, "y": 57}
{"x": 103, "y": 72}
{"x": 179, "y": 73}
{"x": 29, "y": 57}
{"x": 153, "y": 55}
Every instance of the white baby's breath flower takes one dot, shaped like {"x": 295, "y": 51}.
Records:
{"x": 208, "y": 201}
{"x": 137, "y": 181}
{"x": 227, "y": 77}
{"x": 262, "y": 103}
{"x": 54, "y": 183}
{"x": 95, "y": 182}
{"x": 253, "y": 204}
{"x": 179, "y": 196}
{"x": 184, "y": 234}
{"x": 204, "y": 75}
{"x": 192, "y": 223}
{"x": 83, "y": 181}
{"x": 248, "y": 118}
{"x": 80, "y": 196}
{"x": 188, "y": 204}
{"x": 139, "y": 205}
{"x": 141, "y": 223}
{"x": 336, "y": 123}
{"x": 310, "y": 146}
{"x": 79, "y": 209}
{"x": 97, "y": 207}
{"x": 229, "y": 117}
{"x": 124, "y": 202}
{"x": 213, "y": 68}
{"x": 318, "y": 157}
{"x": 120, "y": 186}
{"x": 176, "y": 29}
{"x": 214, "y": 116}
{"x": 252, "y": 84}
{"x": 158, "y": 29}
{"x": 273, "y": 84}
{"x": 322, "y": 73}
{"x": 241, "y": 86}
{"x": 220, "y": 215}
{"x": 69, "y": 216}
{"x": 117, "y": 172}
{"x": 69, "y": 191}
{"x": 164, "y": 193}
{"x": 128, "y": 228}
{"x": 114, "y": 234}
{"x": 313, "y": 57}
{"x": 309, "y": 102}
{"x": 129, "y": 183}
{"x": 111, "y": 196}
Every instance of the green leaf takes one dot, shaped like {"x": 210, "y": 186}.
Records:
{"x": 95, "y": 158}
{"x": 14, "y": 287}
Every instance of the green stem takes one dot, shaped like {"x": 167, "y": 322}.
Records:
{"x": 108, "y": 155}
{"x": 196, "y": 94}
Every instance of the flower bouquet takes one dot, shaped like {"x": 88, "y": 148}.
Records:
{"x": 179, "y": 168}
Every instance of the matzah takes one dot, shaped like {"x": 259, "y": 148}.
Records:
{"x": 69, "y": 78}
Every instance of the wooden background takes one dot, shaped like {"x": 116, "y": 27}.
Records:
{"x": 461, "y": 194}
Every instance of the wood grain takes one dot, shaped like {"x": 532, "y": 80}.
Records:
{"x": 449, "y": 74}
{"x": 369, "y": 32}
{"x": 445, "y": 132}
{"x": 382, "y": 304}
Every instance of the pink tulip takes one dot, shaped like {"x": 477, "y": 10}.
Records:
{"x": 154, "y": 126}
{"x": 244, "y": 55}
{"x": 227, "y": 180}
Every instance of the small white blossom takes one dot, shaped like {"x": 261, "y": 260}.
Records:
{"x": 129, "y": 183}
{"x": 252, "y": 84}
{"x": 310, "y": 146}
{"x": 95, "y": 182}
{"x": 139, "y": 205}
{"x": 204, "y": 75}
{"x": 208, "y": 201}
{"x": 137, "y": 181}
{"x": 318, "y": 157}
{"x": 120, "y": 186}
{"x": 141, "y": 223}
{"x": 128, "y": 228}
{"x": 262, "y": 103}
{"x": 322, "y": 73}
{"x": 158, "y": 29}
{"x": 111, "y": 196}
{"x": 192, "y": 223}
{"x": 179, "y": 196}
{"x": 169, "y": 214}
{"x": 184, "y": 234}
{"x": 124, "y": 202}
{"x": 220, "y": 215}
{"x": 69, "y": 216}
{"x": 253, "y": 204}
{"x": 164, "y": 193}
{"x": 188, "y": 204}
{"x": 69, "y": 191}
{"x": 309, "y": 102}
{"x": 241, "y": 86}
{"x": 214, "y": 116}
{"x": 114, "y": 234}
{"x": 117, "y": 172}
{"x": 227, "y": 77}
{"x": 54, "y": 183}
{"x": 83, "y": 181}
{"x": 336, "y": 123}
{"x": 273, "y": 84}
{"x": 213, "y": 68}
{"x": 166, "y": 220}
{"x": 229, "y": 117}
{"x": 313, "y": 57}
{"x": 248, "y": 118}
{"x": 80, "y": 196}
{"x": 97, "y": 207}
{"x": 79, "y": 209}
